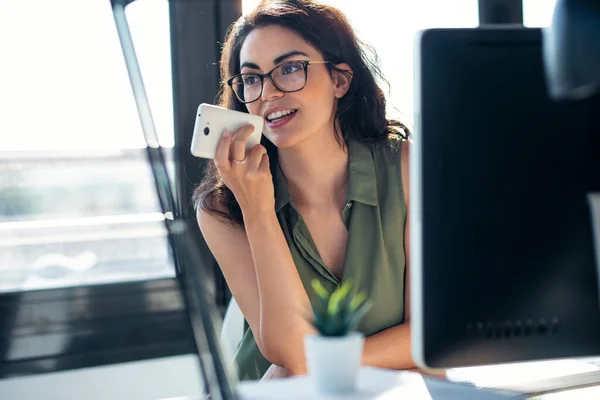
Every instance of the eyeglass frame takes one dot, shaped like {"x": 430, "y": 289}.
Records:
{"x": 305, "y": 64}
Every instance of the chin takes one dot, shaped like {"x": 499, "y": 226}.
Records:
{"x": 283, "y": 140}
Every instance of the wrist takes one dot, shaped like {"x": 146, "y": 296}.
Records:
{"x": 261, "y": 217}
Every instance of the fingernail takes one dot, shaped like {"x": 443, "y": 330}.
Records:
{"x": 226, "y": 133}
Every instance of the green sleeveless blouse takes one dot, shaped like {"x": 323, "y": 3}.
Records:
{"x": 375, "y": 215}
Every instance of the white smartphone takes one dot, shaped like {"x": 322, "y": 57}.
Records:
{"x": 210, "y": 123}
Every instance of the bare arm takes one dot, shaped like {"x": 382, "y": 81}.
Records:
{"x": 256, "y": 261}
{"x": 283, "y": 301}
{"x": 222, "y": 238}
{"x": 266, "y": 294}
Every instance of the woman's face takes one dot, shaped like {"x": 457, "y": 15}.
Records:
{"x": 290, "y": 118}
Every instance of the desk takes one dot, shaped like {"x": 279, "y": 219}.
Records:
{"x": 373, "y": 384}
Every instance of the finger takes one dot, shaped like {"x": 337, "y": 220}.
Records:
{"x": 222, "y": 154}
{"x": 238, "y": 146}
{"x": 264, "y": 163}
{"x": 255, "y": 157}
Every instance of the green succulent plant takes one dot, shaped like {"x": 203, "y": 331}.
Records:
{"x": 339, "y": 312}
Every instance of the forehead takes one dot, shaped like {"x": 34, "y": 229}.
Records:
{"x": 263, "y": 45}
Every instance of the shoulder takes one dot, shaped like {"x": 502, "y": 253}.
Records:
{"x": 393, "y": 146}
{"x": 394, "y": 150}
{"x": 394, "y": 153}
{"x": 215, "y": 217}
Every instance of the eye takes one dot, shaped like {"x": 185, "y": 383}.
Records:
{"x": 250, "y": 79}
{"x": 290, "y": 68}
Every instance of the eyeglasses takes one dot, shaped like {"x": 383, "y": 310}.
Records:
{"x": 288, "y": 77}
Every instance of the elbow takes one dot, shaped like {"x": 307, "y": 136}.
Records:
{"x": 280, "y": 349}
{"x": 273, "y": 349}
{"x": 275, "y": 353}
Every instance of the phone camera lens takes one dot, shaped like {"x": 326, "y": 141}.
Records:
{"x": 206, "y": 131}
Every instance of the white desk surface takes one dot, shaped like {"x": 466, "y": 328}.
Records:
{"x": 373, "y": 384}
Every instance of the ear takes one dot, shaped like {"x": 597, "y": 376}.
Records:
{"x": 342, "y": 78}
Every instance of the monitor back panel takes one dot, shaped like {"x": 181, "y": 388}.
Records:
{"x": 503, "y": 237}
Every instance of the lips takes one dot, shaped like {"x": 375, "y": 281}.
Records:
{"x": 278, "y": 121}
{"x": 274, "y": 116}
{"x": 277, "y": 112}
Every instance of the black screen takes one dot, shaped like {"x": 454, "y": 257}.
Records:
{"x": 508, "y": 262}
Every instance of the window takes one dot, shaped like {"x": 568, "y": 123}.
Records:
{"x": 538, "y": 13}
{"x": 77, "y": 199}
{"x": 79, "y": 215}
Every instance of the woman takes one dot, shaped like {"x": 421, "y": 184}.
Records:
{"x": 324, "y": 196}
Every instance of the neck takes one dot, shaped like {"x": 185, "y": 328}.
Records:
{"x": 316, "y": 172}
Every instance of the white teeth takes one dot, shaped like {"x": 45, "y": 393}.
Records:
{"x": 278, "y": 114}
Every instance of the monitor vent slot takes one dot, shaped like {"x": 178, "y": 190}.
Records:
{"x": 514, "y": 329}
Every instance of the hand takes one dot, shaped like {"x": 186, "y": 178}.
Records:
{"x": 246, "y": 174}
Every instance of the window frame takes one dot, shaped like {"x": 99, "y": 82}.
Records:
{"x": 195, "y": 66}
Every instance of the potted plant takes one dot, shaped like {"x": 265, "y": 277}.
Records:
{"x": 334, "y": 353}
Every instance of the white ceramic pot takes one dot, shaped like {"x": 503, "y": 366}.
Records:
{"x": 333, "y": 362}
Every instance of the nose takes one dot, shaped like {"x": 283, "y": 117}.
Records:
{"x": 270, "y": 91}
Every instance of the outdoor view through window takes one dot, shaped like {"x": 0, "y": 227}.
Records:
{"x": 77, "y": 200}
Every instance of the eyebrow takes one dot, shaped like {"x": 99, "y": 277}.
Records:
{"x": 277, "y": 60}
{"x": 288, "y": 55}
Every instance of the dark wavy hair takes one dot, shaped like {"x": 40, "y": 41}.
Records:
{"x": 360, "y": 114}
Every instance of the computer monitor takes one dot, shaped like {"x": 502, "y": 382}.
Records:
{"x": 503, "y": 262}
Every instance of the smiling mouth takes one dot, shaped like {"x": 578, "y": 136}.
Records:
{"x": 277, "y": 115}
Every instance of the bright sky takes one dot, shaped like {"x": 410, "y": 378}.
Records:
{"x": 65, "y": 85}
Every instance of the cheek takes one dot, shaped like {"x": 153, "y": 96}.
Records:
{"x": 254, "y": 108}
{"x": 322, "y": 103}
{"x": 321, "y": 92}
